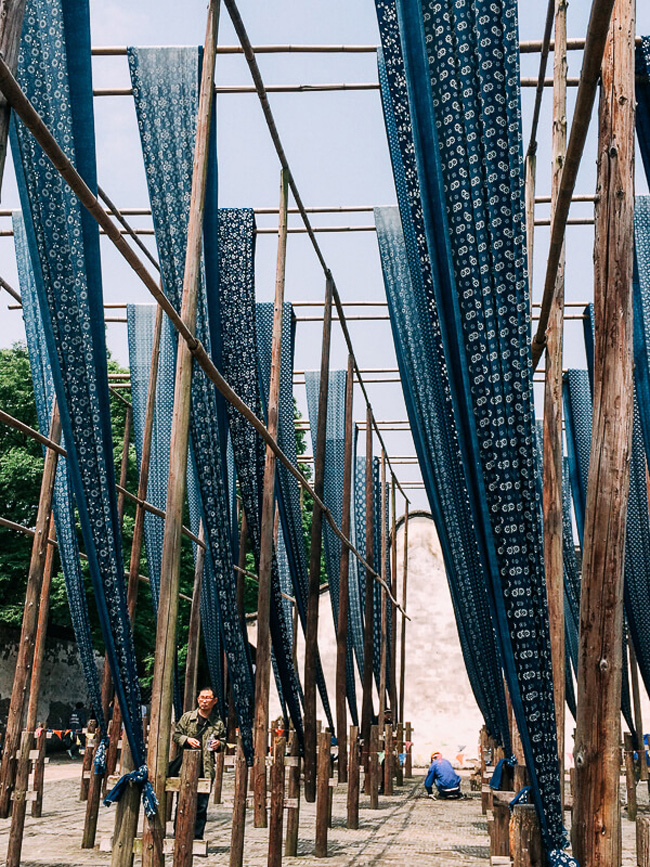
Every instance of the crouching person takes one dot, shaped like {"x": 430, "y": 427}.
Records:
{"x": 201, "y": 729}
{"x": 443, "y": 777}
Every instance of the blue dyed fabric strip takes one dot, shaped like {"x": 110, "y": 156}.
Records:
{"x": 54, "y": 71}
{"x": 63, "y": 508}
{"x": 642, "y": 58}
{"x": 165, "y": 88}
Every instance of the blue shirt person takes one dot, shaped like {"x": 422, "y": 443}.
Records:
{"x": 444, "y": 777}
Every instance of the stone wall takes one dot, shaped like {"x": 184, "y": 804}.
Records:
{"x": 62, "y": 681}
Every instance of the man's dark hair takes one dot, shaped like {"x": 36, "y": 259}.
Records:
{"x": 205, "y": 689}
{"x": 79, "y": 705}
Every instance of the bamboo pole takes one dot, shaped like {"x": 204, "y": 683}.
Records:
{"x": 161, "y": 699}
{"x": 263, "y": 654}
{"x": 601, "y": 12}
{"x": 26, "y": 646}
{"x": 11, "y": 25}
{"x": 638, "y": 717}
{"x": 194, "y": 635}
{"x": 402, "y": 645}
{"x": 383, "y": 647}
{"x": 316, "y": 542}
{"x": 552, "y": 438}
{"x": 366, "y": 706}
{"x": 344, "y": 599}
{"x": 596, "y": 830}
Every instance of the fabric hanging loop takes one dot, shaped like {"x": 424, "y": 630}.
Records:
{"x": 63, "y": 240}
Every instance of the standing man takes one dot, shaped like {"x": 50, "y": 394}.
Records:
{"x": 201, "y": 729}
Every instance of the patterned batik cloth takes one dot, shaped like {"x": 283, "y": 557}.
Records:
{"x": 460, "y": 122}
{"x": 54, "y": 71}
{"x": 165, "y": 88}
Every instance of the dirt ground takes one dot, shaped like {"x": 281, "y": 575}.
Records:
{"x": 406, "y": 830}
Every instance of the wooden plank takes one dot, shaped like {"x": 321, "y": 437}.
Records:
{"x": 596, "y": 827}
{"x": 199, "y": 847}
{"x": 263, "y": 651}
{"x": 344, "y": 600}
{"x": 28, "y": 628}
{"x": 203, "y": 784}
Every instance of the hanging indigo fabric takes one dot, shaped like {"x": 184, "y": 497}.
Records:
{"x": 287, "y": 487}
{"x": 232, "y": 310}
{"x": 422, "y": 373}
{"x": 359, "y": 570}
{"x": 571, "y": 588}
{"x": 165, "y": 89}
{"x": 54, "y": 71}
{"x": 465, "y": 135}
{"x": 333, "y": 493}
{"x": 63, "y": 508}
{"x": 642, "y": 58}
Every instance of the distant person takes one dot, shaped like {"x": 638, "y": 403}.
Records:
{"x": 77, "y": 722}
{"x": 443, "y": 776}
{"x": 202, "y": 729}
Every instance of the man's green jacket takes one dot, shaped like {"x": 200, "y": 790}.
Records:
{"x": 188, "y": 727}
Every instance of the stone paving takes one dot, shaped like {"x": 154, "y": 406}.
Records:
{"x": 408, "y": 830}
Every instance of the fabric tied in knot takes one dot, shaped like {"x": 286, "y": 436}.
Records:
{"x": 497, "y": 776}
{"x": 522, "y": 797}
{"x": 559, "y": 858}
{"x": 99, "y": 763}
{"x": 141, "y": 779}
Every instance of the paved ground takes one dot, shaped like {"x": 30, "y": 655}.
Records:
{"x": 407, "y": 830}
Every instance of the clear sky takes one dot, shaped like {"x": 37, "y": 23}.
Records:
{"x": 336, "y": 146}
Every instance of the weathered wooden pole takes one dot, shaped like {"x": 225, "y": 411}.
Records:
{"x": 392, "y": 668}
{"x": 552, "y": 482}
{"x": 41, "y": 631}
{"x": 25, "y": 656}
{"x": 399, "y": 748}
{"x": 344, "y": 596}
{"x": 11, "y": 25}
{"x": 19, "y": 801}
{"x": 39, "y": 774}
{"x": 126, "y": 819}
{"x": 263, "y": 652}
{"x": 383, "y": 646}
{"x": 630, "y": 778}
{"x": 162, "y": 689}
{"x": 596, "y": 829}
{"x": 353, "y": 779}
{"x": 239, "y": 808}
{"x": 366, "y": 705}
{"x": 194, "y": 633}
{"x": 323, "y": 790}
{"x": 525, "y": 837}
{"x": 643, "y": 841}
{"x": 276, "y": 813}
{"x": 373, "y": 768}
{"x": 638, "y": 717}
{"x": 186, "y": 813}
{"x": 388, "y": 759}
{"x": 316, "y": 541}
{"x": 408, "y": 762}
{"x": 293, "y": 795}
{"x": 402, "y": 644}
{"x": 92, "y": 804}
{"x": 87, "y": 760}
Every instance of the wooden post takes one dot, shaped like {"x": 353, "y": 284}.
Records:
{"x": 643, "y": 841}
{"x": 366, "y": 706}
{"x": 373, "y": 768}
{"x": 39, "y": 775}
{"x": 552, "y": 463}
{"x": 126, "y": 819}
{"x": 344, "y": 599}
{"x": 115, "y": 738}
{"x": 87, "y": 760}
{"x": 405, "y": 567}
{"x": 41, "y": 631}
{"x": 218, "y": 777}
{"x": 525, "y": 837}
{"x": 25, "y": 656}
{"x": 276, "y": 816}
{"x": 92, "y": 806}
{"x": 596, "y": 829}
{"x": 194, "y": 634}
{"x": 162, "y": 689}
{"x": 186, "y": 812}
{"x": 383, "y": 652}
{"x": 408, "y": 763}
{"x": 322, "y": 796}
{"x": 316, "y": 541}
{"x": 263, "y": 653}
{"x": 638, "y": 718}
{"x": 630, "y": 778}
{"x": 19, "y": 801}
{"x": 500, "y": 836}
{"x": 392, "y": 667}
{"x": 353, "y": 779}
{"x": 124, "y": 463}
{"x": 239, "y": 808}
{"x": 11, "y": 25}
{"x": 399, "y": 770}
{"x": 388, "y": 759}
{"x": 293, "y": 794}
